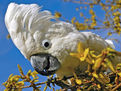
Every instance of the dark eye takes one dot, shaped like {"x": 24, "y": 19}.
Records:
{"x": 46, "y": 44}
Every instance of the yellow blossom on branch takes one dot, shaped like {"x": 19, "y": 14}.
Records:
{"x": 57, "y": 15}
{"x": 81, "y": 53}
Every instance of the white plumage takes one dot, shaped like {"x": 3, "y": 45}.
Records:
{"x": 29, "y": 27}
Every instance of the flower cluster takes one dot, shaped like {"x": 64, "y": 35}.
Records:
{"x": 109, "y": 9}
{"x": 97, "y": 76}
{"x": 17, "y": 82}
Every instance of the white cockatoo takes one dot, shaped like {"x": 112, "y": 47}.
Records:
{"x": 48, "y": 43}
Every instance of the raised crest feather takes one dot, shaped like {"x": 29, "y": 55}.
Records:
{"x": 26, "y": 17}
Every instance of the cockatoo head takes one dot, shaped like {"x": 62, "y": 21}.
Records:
{"x": 41, "y": 39}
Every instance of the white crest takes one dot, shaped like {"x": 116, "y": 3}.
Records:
{"x": 26, "y": 17}
{"x": 24, "y": 23}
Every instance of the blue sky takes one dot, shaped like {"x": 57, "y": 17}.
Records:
{"x": 9, "y": 54}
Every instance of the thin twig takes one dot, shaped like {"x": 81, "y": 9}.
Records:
{"x": 114, "y": 89}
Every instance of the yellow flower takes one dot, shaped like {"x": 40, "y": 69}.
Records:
{"x": 98, "y": 86}
{"x": 77, "y": 9}
{"x": 94, "y": 74}
{"x": 78, "y": 89}
{"x": 19, "y": 84}
{"x": 81, "y": 53}
{"x": 8, "y": 36}
{"x": 109, "y": 64}
{"x": 103, "y": 78}
{"x": 81, "y": 14}
{"x": 118, "y": 69}
{"x": 72, "y": 20}
{"x": 29, "y": 73}
{"x": 57, "y": 15}
{"x": 20, "y": 70}
{"x": 34, "y": 74}
{"x": 78, "y": 81}
{"x": 91, "y": 11}
{"x": 109, "y": 33}
{"x": 97, "y": 63}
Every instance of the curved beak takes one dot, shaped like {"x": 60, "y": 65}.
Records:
{"x": 45, "y": 64}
